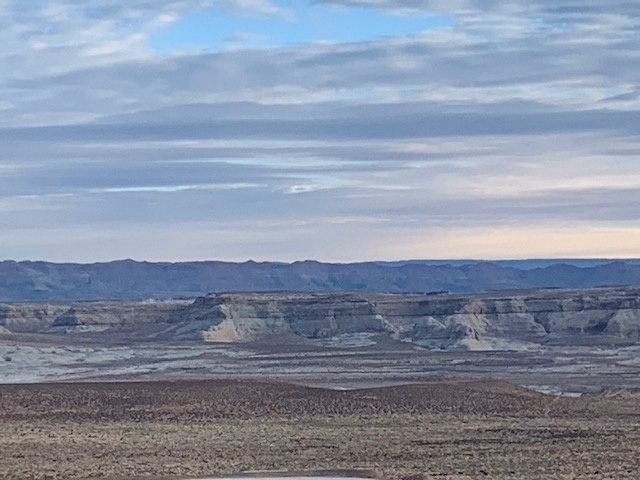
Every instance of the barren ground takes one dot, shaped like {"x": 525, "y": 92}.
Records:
{"x": 446, "y": 430}
{"x": 347, "y": 362}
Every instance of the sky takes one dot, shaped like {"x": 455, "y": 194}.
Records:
{"x": 335, "y": 130}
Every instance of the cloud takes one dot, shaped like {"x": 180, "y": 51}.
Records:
{"x": 60, "y": 36}
{"x": 521, "y": 119}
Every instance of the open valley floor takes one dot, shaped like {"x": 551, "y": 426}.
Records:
{"x": 504, "y": 385}
{"x": 199, "y": 428}
{"x": 561, "y": 370}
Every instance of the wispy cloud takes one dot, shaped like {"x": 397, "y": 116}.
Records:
{"x": 510, "y": 124}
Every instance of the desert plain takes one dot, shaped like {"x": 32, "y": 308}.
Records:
{"x": 191, "y": 429}
{"x": 533, "y": 385}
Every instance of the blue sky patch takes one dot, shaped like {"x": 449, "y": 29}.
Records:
{"x": 216, "y": 29}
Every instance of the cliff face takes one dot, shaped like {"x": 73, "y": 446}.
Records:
{"x": 481, "y": 322}
{"x": 60, "y": 316}
{"x": 438, "y": 321}
{"x": 251, "y": 316}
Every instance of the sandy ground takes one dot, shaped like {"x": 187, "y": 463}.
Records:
{"x": 446, "y": 430}
{"x": 337, "y": 362}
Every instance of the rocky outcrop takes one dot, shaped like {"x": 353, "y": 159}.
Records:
{"x": 59, "y": 316}
{"x": 29, "y": 317}
{"x": 501, "y": 320}
{"x": 251, "y": 316}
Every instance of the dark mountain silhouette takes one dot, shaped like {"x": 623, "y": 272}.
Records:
{"x": 128, "y": 279}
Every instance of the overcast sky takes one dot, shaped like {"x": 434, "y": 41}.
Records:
{"x": 337, "y": 130}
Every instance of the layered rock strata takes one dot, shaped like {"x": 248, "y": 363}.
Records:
{"x": 500, "y": 320}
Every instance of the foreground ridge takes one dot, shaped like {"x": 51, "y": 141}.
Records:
{"x": 201, "y": 429}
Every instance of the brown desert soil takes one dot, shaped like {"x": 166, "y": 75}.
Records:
{"x": 175, "y": 430}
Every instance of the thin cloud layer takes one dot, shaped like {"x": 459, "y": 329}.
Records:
{"x": 519, "y": 122}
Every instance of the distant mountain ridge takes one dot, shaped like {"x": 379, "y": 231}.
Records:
{"x": 526, "y": 264}
{"x": 128, "y": 279}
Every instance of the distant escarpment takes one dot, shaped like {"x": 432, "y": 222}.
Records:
{"x": 492, "y": 321}
{"x": 130, "y": 280}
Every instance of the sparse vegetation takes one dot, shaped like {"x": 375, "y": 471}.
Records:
{"x": 452, "y": 430}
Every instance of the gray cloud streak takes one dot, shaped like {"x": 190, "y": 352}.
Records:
{"x": 525, "y": 116}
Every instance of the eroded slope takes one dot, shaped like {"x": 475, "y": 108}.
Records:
{"x": 500, "y": 321}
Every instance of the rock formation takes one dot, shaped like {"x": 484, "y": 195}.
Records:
{"x": 498, "y": 320}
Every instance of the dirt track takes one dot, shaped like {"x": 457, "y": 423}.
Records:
{"x": 475, "y": 430}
